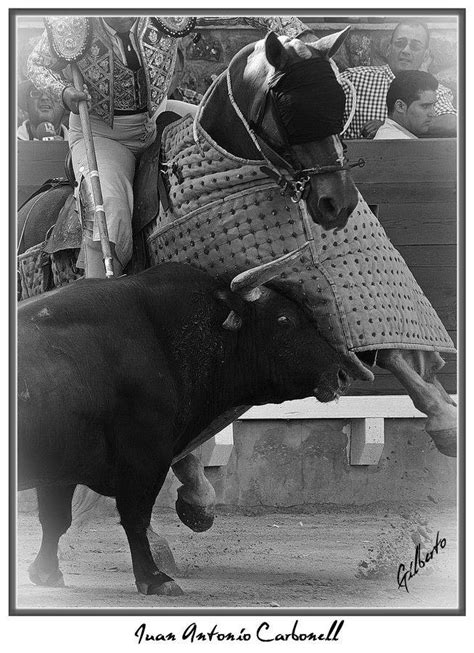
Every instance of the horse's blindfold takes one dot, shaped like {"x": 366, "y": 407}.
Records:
{"x": 309, "y": 101}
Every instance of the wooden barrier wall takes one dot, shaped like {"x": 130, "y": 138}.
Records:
{"x": 412, "y": 185}
{"x": 38, "y": 161}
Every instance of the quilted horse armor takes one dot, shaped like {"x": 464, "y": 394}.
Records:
{"x": 225, "y": 216}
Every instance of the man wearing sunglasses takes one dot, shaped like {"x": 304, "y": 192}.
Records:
{"x": 408, "y": 50}
{"x": 44, "y": 115}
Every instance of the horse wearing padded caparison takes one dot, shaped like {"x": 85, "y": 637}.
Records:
{"x": 256, "y": 95}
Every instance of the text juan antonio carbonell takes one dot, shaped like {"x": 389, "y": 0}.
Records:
{"x": 263, "y": 633}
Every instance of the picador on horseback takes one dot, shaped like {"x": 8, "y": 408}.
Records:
{"x": 127, "y": 65}
{"x": 256, "y": 174}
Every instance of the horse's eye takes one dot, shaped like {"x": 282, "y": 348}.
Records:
{"x": 284, "y": 320}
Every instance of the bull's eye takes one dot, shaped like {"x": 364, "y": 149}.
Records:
{"x": 284, "y": 320}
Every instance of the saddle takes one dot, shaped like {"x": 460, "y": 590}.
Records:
{"x": 150, "y": 184}
{"x": 150, "y": 189}
{"x": 67, "y": 232}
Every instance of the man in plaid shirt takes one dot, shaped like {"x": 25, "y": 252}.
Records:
{"x": 408, "y": 50}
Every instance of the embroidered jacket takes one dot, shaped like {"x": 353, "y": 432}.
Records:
{"x": 111, "y": 84}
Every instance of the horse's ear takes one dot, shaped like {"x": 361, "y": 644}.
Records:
{"x": 274, "y": 51}
{"x": 329, "y": 45}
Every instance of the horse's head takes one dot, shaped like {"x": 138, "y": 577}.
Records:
{"x": 286, "y": 95}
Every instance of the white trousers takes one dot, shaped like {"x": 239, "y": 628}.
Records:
{"x": 117, "y": 150}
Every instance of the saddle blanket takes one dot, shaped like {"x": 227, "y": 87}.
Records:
{"x": 225, "y": 216}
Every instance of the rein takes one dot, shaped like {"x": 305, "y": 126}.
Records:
{"x": 353, "y": 107}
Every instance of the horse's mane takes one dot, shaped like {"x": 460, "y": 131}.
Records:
{"x": 216, "y": 115}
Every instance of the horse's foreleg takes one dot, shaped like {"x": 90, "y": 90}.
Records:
{"x": 196, "y": 497}
{"x": 443, "y": 392}
{"x": 416, "y": 371}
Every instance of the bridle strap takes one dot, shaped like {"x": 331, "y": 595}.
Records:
{"x": 353, "y": 106}
{"x": 297, "y": 174}
{"x": 272, "y": 155}
{"x": 243, "y": 119}
{"x": 292, "y": 186}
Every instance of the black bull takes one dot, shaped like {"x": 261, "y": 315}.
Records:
{"x": 116, "y": 378}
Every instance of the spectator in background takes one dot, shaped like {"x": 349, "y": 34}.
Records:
{"x": 45, "y": 116}
{"x": 408, "y": 50}
{"x": 411, "y": 100}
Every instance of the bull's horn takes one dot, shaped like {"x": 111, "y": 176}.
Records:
{"x": 233, "y": 321}
{"x": 246, "y": 283}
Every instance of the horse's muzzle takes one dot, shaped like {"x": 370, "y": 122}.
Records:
{"x": 332, "y": 201}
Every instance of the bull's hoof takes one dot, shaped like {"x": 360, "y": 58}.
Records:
{"x": 197, "y": 518}
{"x": 46, "y": 578}
{"x": 445, "y": 441}
{"x": 170, "y": 588}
